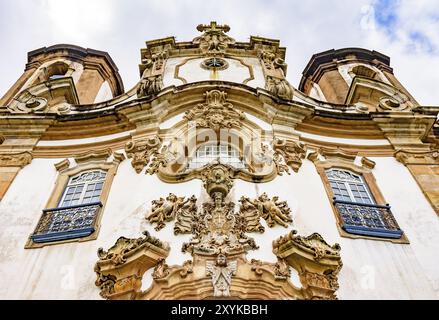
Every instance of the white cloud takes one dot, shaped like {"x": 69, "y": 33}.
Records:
{"x": 79, "y": 20}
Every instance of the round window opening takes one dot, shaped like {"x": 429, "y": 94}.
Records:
{"x": 214, "y": 64}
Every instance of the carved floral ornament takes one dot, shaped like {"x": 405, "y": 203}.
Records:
{"x": 219, "y": 246}
{"x": 215, "y": 113}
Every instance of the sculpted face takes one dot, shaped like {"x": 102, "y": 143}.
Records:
{"x": 221, "y": 260}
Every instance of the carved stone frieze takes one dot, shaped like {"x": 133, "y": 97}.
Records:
{"x": 215, "y": 113}
{"x": 15, "y": 159}
{"x": 291, "y": 152}
{"x": 141, "y": 152}
{"x": 213, "y": 41}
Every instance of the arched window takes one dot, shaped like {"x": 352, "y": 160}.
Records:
{"x": 348, "y": 186}
{"x": 77, "y": 212}
{"x": 223, "y": 153}
{"x": 357, "y": 208}
{"x": 83, "y": 188}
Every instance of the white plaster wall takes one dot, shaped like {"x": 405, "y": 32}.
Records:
{"x": 371, "y": 269}
{"x": 191, "y": 71}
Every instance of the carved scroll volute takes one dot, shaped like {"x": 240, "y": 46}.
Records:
{"x": 317, "y": 262}
{"x": 292, "y": 152}
{"x": 153, "y": 66}
{"x": 275, "y": 70}
{"x": 120, "y": 269}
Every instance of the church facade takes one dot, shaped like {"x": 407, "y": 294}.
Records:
{"x": 215, "y": 178}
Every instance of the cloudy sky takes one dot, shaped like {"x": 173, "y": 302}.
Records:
{"x": 405, "y": 30}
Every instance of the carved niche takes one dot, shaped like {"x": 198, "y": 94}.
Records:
{"x": 219, "y": 246}
{"x": 213, "y": 41}
{"x": 215, "y": 113}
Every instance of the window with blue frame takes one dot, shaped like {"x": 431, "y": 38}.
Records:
{"x": 75, "y": 216}
{"x": 359, "y": 212}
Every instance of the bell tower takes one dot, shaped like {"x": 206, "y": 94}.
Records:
{"x": 65, "y": 73}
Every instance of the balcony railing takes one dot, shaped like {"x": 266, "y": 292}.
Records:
{"x": 67, "y": 222}
{"x": 368, "y": 219}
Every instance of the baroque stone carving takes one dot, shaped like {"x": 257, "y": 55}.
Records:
{"x": 291, "y": 152}
{"x": 141, "y": 152}
{"x": 118, "y": 253}
{"x": 217, "y": 179}
{"x": 213, "y": 41}
{"x": 150, "y": 86}
{"x": 314, "y": 243}
{"x": 215, "y": 113}
{"x": 272, "y": 210}
{"x": 218, "y": 247}
{"x": 221, "y": 272}
{"x": 271, "y": 61}
{"x": 29, "y": 103}
{"x": 165, "y": 210}
{"x": 161, "y": 270}
{"x": 251, "y": 216}
{"x": 426, "y": 157}
{"x": 185, "y": 217}
{"x": 106, "y": 284}
{"x": 15, "y": 159}
{"x": 279, "y": 88}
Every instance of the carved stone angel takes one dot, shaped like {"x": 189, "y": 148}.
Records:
{"x": 164, "y": 210}
{"x": 221, "y": 272}
{"x": 271, "y": 210}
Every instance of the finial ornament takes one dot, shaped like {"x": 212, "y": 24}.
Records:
{"x": 213, "y": 41}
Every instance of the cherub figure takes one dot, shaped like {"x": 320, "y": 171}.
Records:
{"x": 271, "y": 210}
{"x": 221, "y": 273}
